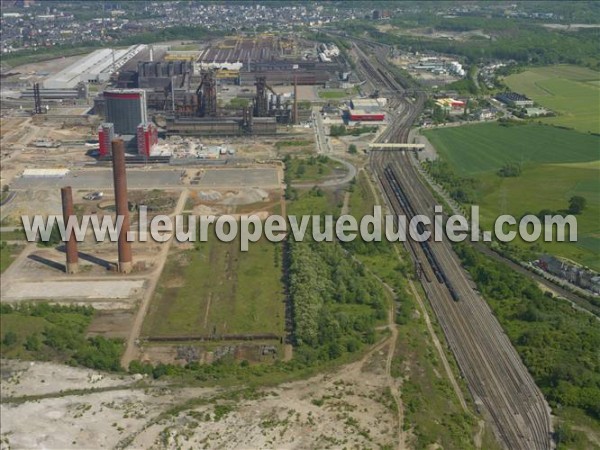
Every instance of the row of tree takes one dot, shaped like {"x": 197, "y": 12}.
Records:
{"x": 335, "y": 302}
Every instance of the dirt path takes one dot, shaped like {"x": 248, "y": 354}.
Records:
{"x": 131, "y": 349}
{"x": 346, "y": 205}
{"x": 207, "y": 311}
{"x": 391, "y": 349}
{"x": 388, "y": 372}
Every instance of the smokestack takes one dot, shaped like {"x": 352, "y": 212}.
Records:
{"x": 120, "y": 183}
{"x": 72, "y": 265}
{"x": 295, "y": 110}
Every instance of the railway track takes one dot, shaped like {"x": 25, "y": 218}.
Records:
{"x": 503, "y": 389}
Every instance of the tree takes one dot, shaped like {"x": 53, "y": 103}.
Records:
{"x": 54, "y": 238}
{"x": 352, "y": 149}
{"x": 577, "y": 204}
{"x": 439, "y": 115}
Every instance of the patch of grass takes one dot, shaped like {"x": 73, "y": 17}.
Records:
{"x": 40, "y": 331}
{"x": 218, "y": 288}
{"x": 293, "y": 143}
{"x": 361, "y": 199}
{"x": 556, "y": 165}
{"x": 576, "y": 430}
{"x": 333, "y": 94}
{"x": 8, "y": 253}
{"x": 572, "y": 92}
{"x": 15, "y": 235}
{"x": 315, "y": 201}
{"x": 311, "y": 168}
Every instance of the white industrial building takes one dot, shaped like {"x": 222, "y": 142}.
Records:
{"x": 95, "y": 67}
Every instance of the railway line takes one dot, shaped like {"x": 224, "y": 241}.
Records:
{"x": 500, "y": 384}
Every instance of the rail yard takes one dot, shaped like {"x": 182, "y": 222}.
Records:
{"x": 497, "y": 378}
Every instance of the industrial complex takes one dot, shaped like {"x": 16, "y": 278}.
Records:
{"x": 190, "y": 315}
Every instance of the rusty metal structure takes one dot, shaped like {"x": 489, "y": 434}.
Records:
{"x": 295, "y": 107}
{"x": 122, "y": 204}
{"x": 261, "y": 107}
{"x": 207, "y": 95}
{"x": 37, "y": 99}
{"x": 72, "y": 264}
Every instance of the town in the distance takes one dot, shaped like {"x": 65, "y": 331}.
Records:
{"x": 147, "y": 114}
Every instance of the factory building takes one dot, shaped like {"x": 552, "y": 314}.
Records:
{"x": 220, "y": 126}
{"x": 369, "y": 105}
{"x": 365, "y": 109}
{"x": 106, "y": 133}
{"x": 449, "y": 103}
{"x": 359, "y": 115}
{"x": 80, "y": 91}
{"x": 126, "y": 109}
{"x": 147, "y": 138}
{"x": 513, "y": 99}
{"x": 95, "y": 67}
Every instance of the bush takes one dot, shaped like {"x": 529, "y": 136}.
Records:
{"x": 10, "y": 338}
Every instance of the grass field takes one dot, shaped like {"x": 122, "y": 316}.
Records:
{"x": 572, "y": 92}
{"x": 333, "y": 94}
{"x": 557, "y": 164}
{"x": 218, "y": 288}
{"x": 313, "y": 168}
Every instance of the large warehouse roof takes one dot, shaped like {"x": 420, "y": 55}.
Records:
{"x": 90, "y": 67}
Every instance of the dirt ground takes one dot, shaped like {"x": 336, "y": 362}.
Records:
{"x": 350, "y": 407}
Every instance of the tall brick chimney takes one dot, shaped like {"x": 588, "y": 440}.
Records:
{"x": 72, "y": 265}
{"x": 120, "y": 184}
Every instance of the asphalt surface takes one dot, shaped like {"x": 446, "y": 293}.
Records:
{"x": 153, "y": 178}
{"x": 101, "y": 179}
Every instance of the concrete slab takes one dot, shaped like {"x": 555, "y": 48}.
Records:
{"x": 236, "y": 178}
{"x": 102, "y": 179}
{"x": 73, "y": 289}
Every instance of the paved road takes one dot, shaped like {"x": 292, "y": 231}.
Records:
{"x": 100, "y": 179}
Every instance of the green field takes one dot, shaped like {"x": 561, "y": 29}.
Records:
{"x": 218, "y": 288}
{"x": 333, "y": 94}
{"x": 557, "y": 164}
{"x": 570, "y": 91}
{"x": 312, "y": 168}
